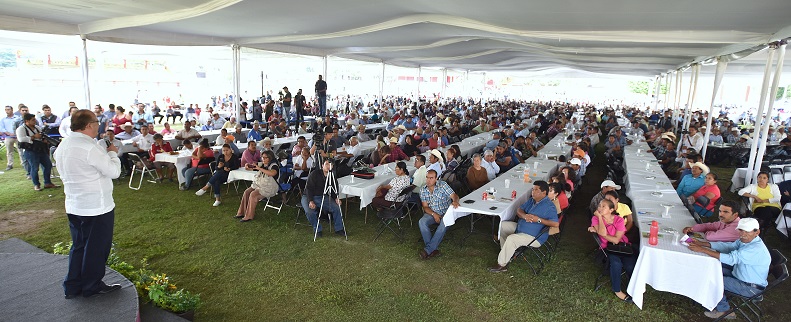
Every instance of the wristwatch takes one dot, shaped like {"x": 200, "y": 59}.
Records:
{"x": 539, "y": 220}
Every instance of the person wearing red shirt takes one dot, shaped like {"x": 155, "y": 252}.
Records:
{"x": 161, "y": 146}
{"x": 201, "y": 158}
{"x": 396, "y": 154}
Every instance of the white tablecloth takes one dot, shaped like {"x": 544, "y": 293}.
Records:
{"x": 366, "y": 188}
{"x": 181, "y": 160}
{"x": 506, "y": 207}
{"x": 241, "y": 174}
{"x": 740, "y": 174}
{"x": 666, "y": 267}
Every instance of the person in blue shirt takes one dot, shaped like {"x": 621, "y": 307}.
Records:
{"x": 493, "y": 142}
{"x": 141, "y": 118}
{"x": 532, "y": 217}
{"x": 692, "y": 182}
{"x": 745, "y": 263}
{"x": 253, "y": 135}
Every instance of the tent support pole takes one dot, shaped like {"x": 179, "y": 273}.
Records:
{"x": 85, "y": 80}
{"x": 768, "y": 118}
{"x": 760, "y": 114}
{"x": 721, "y": 66}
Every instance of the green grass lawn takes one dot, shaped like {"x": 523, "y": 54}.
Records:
{"x": 269, "y": 270}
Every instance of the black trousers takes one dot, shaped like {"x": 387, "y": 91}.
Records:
{"x": 92, "y": 238}
{"x": 766, "y": 215}
{"x": 167, "y": 117}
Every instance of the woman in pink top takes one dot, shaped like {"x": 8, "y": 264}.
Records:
{"x": 611, "y": 229}
{"x": 711, "y": 191}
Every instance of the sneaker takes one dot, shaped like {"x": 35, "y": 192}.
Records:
{"x": 341, "y": 233}
{"x": 216, "y": 203}
{"x": 716, "y": 315}
{"x": 200, "y": 192}
{"x": 9, "y": 168}
{"x": 37, "y": 188}
{"x": 182, "y": 188}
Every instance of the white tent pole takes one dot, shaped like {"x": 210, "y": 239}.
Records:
{"x": 768, "y": 118}
{"x": 483, "y": 88}
{"x": 688, "y": 105}
{"x": 668, "y": 89}
{"x": 444, "y": 81}
{"x": 758, "y": 117}
{"x": 656, "y": 92}
{"x": 466, "y": 83}
{"x": 721, "y": 65}
{"x": 419, "y": 70}
{"x": 678, "y": 98}
{"x": 675, "y": 99}
{"x": 693, "y": 89}
{"x": 85, "y": 80}
{"x": 382, "y": 85}
{"x": 235, "y": 61}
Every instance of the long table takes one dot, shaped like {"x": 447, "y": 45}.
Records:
{"x": 181, "y": 160}
{"x": 175, "y": 143}
{"x": 365, "y": 189}
{"x": 503, "y": 206}
{"x": 666, "y": 267}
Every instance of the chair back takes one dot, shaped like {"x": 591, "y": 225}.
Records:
{"x": 404, "y": 194}
{"x": 777, "y": 175}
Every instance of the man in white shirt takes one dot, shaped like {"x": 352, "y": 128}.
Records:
{"x": 303, "y": 163}
{"x": 361, "y": 136}
{"x": 143, "y": 141}
{"x": 64, "y": 127}
{"x": 216, "y": 122}
{"x": 352, "y": 151}
{"x": 87, "y": 171}
{"x": 188, "y": 133}
{"x": 489, "y": 163}
{"x": 436, "y": 162}
{"x": 419, "y": 177}
{"x": 109, "y": 139}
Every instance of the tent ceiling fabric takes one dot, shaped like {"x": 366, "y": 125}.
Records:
{"x": 637, "y": 37}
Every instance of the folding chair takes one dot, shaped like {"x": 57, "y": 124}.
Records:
{"x": 603, "y": 259}
{"x": 777, "y": 175}
{"x": 138, "y": 166}
{"x": 284, "y": 187}
{"x": 395, "y": 213}
{"x": 786, "y": 173}
{"x": 778, "y": 271}
{"x": 537, "y": 253}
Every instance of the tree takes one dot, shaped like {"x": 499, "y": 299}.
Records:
{"x": 7, "y": 58}
{"x": 643, "y": 87}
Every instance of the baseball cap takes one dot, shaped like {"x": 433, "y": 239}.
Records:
{"x": 610, "y": 183}
{"x": 748, "y": 224}
{"x": 575, "y": 161}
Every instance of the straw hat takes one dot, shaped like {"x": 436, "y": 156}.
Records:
{"x": 437, "y": 154}
{"x": 394, "y": 140}
{"x": 702, "y": 166}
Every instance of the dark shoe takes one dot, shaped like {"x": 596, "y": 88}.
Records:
{"x": 498, "y": 269}
{"x": 244, "y": 220}
{"x": 9, "y": 168}
{"x": 318, "y": 235}
{"x": 435, "y": 253}
{"x": 71, "y": 296}
{"x": 627, "y": 299}
{"x": 341, "y": 233}
{"x": 423, "y": 254}
{"x": 37, "y": 188}
{"x": 104, "y": 290}
{"x": 238, "y": 216}
{"x": 50, "y": 186}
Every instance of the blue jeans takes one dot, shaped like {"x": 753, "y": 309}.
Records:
{"x": 432, "y": 242}
{"x": 329, "y": 206}
{"x": 323, "y": 104}
{"x": 36, "y": 160}
{"x": 618, "y": 263}
{"x": 216, "y": 181}
{"x": 190, "y": 173}
{"x": 92, "y": 238}
{"x": 733, "y": 285}
{"x": 703, "y": 212}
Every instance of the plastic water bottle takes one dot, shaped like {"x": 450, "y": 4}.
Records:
{"x": 653, "y": 236}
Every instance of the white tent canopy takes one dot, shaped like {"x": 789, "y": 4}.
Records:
{"x": 641, "y": 38}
